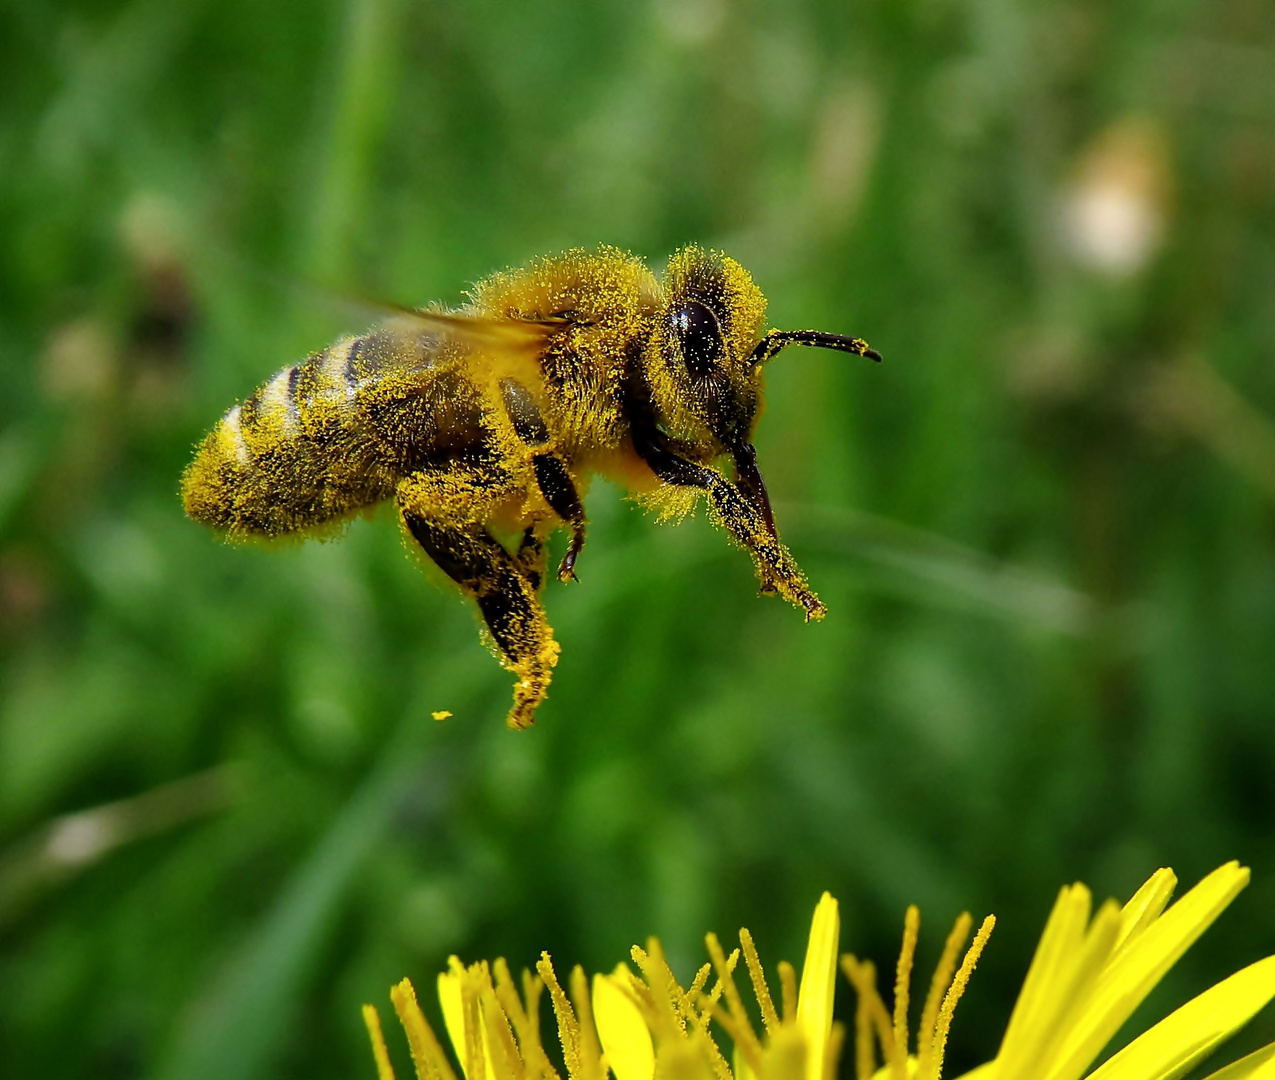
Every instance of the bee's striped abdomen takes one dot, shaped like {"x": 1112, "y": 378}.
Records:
{"x": 298, "y": 453}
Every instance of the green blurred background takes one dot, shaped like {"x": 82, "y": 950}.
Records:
{"x": 1044, "y": 527}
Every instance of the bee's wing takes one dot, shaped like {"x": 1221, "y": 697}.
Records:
{"x": 521, "y": 338}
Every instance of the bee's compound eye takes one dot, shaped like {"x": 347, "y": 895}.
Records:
{"x": 699, "y": 335}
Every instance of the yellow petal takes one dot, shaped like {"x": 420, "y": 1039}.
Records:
{"x": 1069, "y": 963}
{"x": 453, "y": 1003}
{"x": 1135, "y": 969}
{"x": 818, "y": 984}
{"x": 1259, "y": 1065}
{"x": 451, "y": 996}
{"x": 1145, "y": 905}
{"x": 626, "y": 1041}
{"x": 1187, "y": 1035}
{"x": 1034, "y": 1015}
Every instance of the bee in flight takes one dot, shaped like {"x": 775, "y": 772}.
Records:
{"x": 486, "y": 422}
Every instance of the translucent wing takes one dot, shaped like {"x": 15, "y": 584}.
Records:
{"x": 522, "y": 338}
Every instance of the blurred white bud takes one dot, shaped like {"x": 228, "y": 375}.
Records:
{"x": 1114, "y": 212}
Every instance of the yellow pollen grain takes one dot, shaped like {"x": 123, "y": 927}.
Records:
{"x": 944, "y": 1023}
{"x": 768, "y": 1015}
{"x": 371, "y": 1018}
{"x": 938, "y": 987}
{"x": 902, "y": 987}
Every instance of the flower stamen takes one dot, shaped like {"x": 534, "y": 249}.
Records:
{"x": 768, "y": 1015}
{"x": 427, "y": 1055}
{"x": 372, "y": 1019}
{"x": 741, "y": 1027}
{"x": 788, "y": 990}
{"x": 953, "y": 996}
{"x": 696, "y": 989}
{"x": 568, "y": 1025}
{"x": 863, "y": 977}
{"x": 871, "y": 1017}
{"x": 902, "y": 987}
{"x": 938, "y": 987}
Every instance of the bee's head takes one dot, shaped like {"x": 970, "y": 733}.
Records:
{"x": 704, "y": 383}
{"x": 704, "y": 360}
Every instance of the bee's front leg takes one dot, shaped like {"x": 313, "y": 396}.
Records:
{"x": 506, "y": 596}
{"x": 744, "y": 520}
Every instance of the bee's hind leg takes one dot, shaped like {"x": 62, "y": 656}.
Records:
{"x": 559, "y": 490}
{"x": 506, "y": 595}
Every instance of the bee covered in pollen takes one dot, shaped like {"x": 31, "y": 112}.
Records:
{"x": 483, "y": 424}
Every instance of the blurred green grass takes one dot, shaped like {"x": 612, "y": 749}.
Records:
{"x": 1044, "y": 527}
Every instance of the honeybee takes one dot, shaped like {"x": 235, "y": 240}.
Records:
{"x": 484, "y": 423}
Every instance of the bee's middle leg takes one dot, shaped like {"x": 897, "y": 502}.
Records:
{"x": 559, "y": 490}
{"x": 531, "y": 556}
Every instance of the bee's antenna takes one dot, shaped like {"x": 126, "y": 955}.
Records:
{"x": 777, "y": 339}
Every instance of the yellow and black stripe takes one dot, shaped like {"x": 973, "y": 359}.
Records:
{"x": 322, "y": 439}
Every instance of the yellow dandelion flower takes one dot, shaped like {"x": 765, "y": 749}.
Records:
{"x": 1090, "y": 972}
{"x": 635, "y": 1025}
